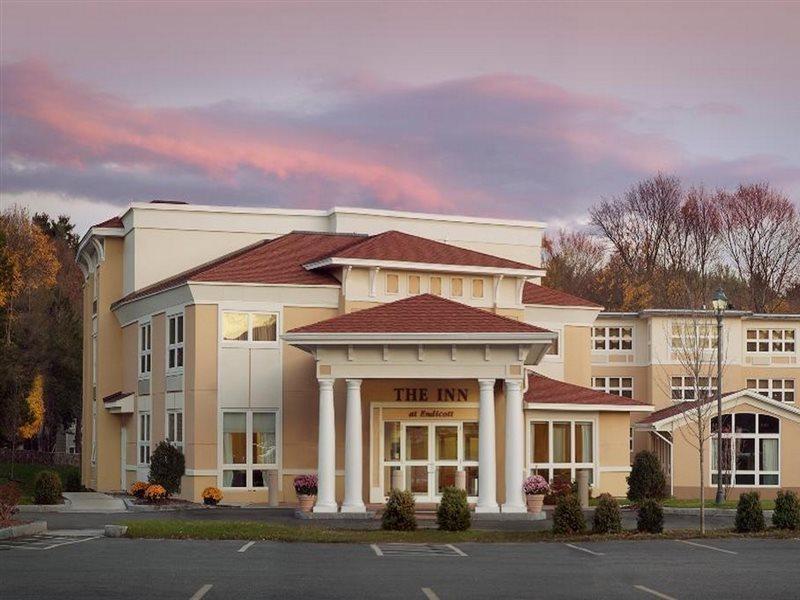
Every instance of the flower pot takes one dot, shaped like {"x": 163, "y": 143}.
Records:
{"x": 535, "y": 502}
{"x": 210, "y": 501}
{"x": 306, "y": 501}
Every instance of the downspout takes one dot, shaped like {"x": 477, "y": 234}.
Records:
{"x": 671, "y": 463}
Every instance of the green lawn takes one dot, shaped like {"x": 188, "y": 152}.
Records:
{"x": 25, "y": 475}
{"x": 259, "y": 530}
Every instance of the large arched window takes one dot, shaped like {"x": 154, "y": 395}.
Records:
{"x": 750, "y": 450}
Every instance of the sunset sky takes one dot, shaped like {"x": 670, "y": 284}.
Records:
{"x": 527, "y": 110}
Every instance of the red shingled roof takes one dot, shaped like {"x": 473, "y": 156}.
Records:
{"x": 543, "y": 390}
{"x": 404, "y": 247}
{"x": 115, "y": 222}
{"x": 538, "y": 294}
{"x": 682, "y": 407}
{"x": 279, "y": 260}
{"x": 420, "y": 314}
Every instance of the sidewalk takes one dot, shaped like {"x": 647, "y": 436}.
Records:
{"x": 79, "y": 502}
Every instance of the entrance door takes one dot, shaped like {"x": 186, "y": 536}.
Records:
{"x": 417, "y": 459}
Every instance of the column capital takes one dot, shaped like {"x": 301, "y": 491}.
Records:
{"x": 353, "y": 383}
{"x": 325, "y": 384}
{"x": 513, "y": 385}
{"x": 486, "y": 383}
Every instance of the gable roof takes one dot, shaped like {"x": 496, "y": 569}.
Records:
{"x": 425, "y": 313}
{"x": 113, "y": 222}
{"x": 546, "y": 391}
{"x": 275, "y": 261}
{"x": 396, "y": 246}
{"x": 539, "y": 294}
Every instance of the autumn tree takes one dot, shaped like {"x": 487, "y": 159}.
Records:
{"x": 574, "y": 261}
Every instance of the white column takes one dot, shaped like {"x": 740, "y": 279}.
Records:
{"x": 487, "y": 472}
{"x": 353, "y": 499}
{"x": 515, "y": 448}
{"x": 326, "y": 457}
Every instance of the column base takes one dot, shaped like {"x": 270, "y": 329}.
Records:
{"x": 325, "y": 508}
{"x": 487, "y": 509}
{"x": 515, "y": 508}
{"x": 354, "y": 508}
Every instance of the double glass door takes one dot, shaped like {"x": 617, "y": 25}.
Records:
{"x": 428, "y": 455}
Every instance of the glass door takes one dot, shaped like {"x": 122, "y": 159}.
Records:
{"x": 446, "y": 452}
{"x": 417, "y": 459}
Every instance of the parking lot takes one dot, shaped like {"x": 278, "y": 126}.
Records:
{"x": 91, "y": 567}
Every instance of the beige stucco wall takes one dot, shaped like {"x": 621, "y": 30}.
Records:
{"x": 577, "y": 368}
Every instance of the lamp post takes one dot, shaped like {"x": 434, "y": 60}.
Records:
{"x": 720, "y": 303}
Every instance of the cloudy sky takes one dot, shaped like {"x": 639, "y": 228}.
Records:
{"x": 528, "y": 110}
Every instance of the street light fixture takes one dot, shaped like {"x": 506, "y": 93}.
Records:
{"x": 721, "y": 304}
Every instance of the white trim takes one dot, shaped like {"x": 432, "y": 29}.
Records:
{"x": 565, "y": 307}
{"x": 620, "y": 469}
{"x": 249, "y": 466}
{"x": 415, "y": 338}
{"x": 573, "y": 466}
{"x": 130, "y": 468}
{"x": 589, "y": 407}
{"x": 421, "y": 266}
{"x": 203, "y": 473}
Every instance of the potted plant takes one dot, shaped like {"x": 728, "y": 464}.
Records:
{"x": 535, "y": 488}
{"x": 211, "y": 496}
{"x": 305, "y": 486}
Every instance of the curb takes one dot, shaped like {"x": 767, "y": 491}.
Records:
{"x": 710, "y": 512}
{"x": 40, "y": 508}
{"x": 24, "y": 529}
{"x": 337, "y": 516}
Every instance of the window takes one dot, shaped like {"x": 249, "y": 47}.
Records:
{"x": 770, "y": 340}
{"x": 436, "y": 285}
{"x": 175, "y": 342}
{"x": 145, "y": 346}
{"x": 413, "y": 284}
{"x": 750, "y": 450}
{"x": 559, "y": 449}
{"x": 781, "y": 390}
{"x": 612, "y": 338}
{"x": 693, "y": 335}
{"x": 392, "y": 283}
{"x": 457, "y": 287}
{"x": 683, "y": 388}
{"x": 144, "y": 438}
{"x": 477, "y": 288}
{"x": 175, "y": 428}
{"x": 249, "y": 447}
{"x": 249, "y": 327}
{"x": 619, "y": 386}
{"x": 95, "y": 290}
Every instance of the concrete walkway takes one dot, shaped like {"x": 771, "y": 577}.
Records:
{"x": 92, "y": 502}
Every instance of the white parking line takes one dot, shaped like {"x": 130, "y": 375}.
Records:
{"x": 430, "y": 594}
{"x": 376, "y": 549}
{"x": 71, "y": 542}
{"x": 584, "y": 550}
{"x": 647, "y": 590}
{"x": 201, "y": 592}
{"x": 245, "y": 547}
{"x": 456, "y": 550}
{"x": 707, "y": 547}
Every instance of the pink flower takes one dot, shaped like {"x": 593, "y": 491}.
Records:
{"x": 535, "y": 484}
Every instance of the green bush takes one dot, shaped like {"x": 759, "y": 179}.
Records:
{"x": 650, "y": 517}
{"x": 399, "y": 512}
{"x": 452, "y": 513}
{"x": 749, "y": 515}
{"x": 647, "y": 478}
{"x": 72, "y": 481}
{"x": 607, "y": 518}
{"x": 47, "y": 488}
{"x": 568, "y": 516}
{"x": 167, "y": 466}
{"x": 787, "y": 511}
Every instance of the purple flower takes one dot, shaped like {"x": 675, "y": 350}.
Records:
{"x": 306, "y": 484}
{"x": 535, "y": 484}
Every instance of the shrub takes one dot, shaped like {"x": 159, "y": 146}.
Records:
{"x": 9, "y": 498}
{"x": 568, "y": 516}
{"x": 47, "y": 488}
{"x": 535, "y": 484}
{"x": 558, "y": 489}
{"x": 452, "y": 514}
{"x": 647, "y": 478}
{"x": 138, "y": 488}
{"x": 306, "y": 485}
{"x": 212, "y": 495}
{"x": 155, "y": 493}
{"x": 167, "y": 466}
{"x": 607, "y": 518}
{"x": 787, "y": 511}
{"x": 749, "y": 515}
{"x": 650, "y": 517}
{"x": 399, "y": 512}
{"x": 72, "y": 481}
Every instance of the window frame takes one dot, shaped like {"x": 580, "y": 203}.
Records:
{"x": 438, "y": 280}
{"x": 178, "y": 345}
{"x": 550, "y": 466}
{"x": 609, "y": 388}
{"x": 712, "y": 387}
{"x": 393, "y": 277}
{"x": 418, "y": 285}
{"x": 757, "y": 437}
{"x": 248, "y": 466}
{"x": 144, "y": 435}
{"x": 478, "y": 282}
{"x": 145, "y": 350}
{"x": 707, "y": 335}
{"x": 179, "y": 427}
{"x": 249, "y": 341}
{"x": 609, "y": 339}
{"x": 771, "y": 341}
{"x": 460, "y": 293}
{"x": 770, "y": 390}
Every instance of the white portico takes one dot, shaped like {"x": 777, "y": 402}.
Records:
{"x": 416, "y": 367}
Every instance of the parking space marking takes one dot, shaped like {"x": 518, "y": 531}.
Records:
{"x": 430, "y": 594}
{"x": 201, "y": 592}
{"x": 245, "y": 547}
{"x": 376, "y": 549}
{"x": 44, "y": 541}
{"x": 458, "y": 551}
{"x": 652, "y": 592}
{"x": 585, "y": 550}
{"x": 425, "y": 550}
{"x": 707, "y": 547}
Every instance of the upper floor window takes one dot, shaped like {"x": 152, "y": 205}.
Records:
{"x": 689, "y": 335}
{"x": 145, "y": 347}
{"x": 781, "y": 390}
{"x": 175, "y": 428}
{"x": 175, "y": 342}
{"x": 413, "y": 284}
{"x": 619, "y": 386}
{"x": 392, "y": 283}
{"x": 687, "y": 388}
{"x": 457, "y": 287}
{"x": 436, "y": 285}
{"x": 249, "y": 327}
{"x": 612, "y": 338}
{"x": 477, "y": 288}
{"x": 770, "y": 340}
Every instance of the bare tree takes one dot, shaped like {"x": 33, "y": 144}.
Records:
{"x": 574, "y": 260}
{"x": 761, "y": 230}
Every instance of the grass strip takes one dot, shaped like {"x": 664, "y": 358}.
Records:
{"x": 257, "y": 530}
